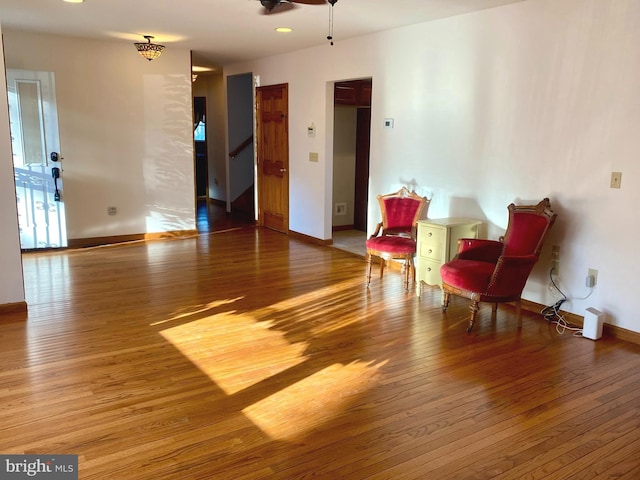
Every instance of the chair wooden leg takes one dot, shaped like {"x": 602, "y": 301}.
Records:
{"x": 382, "y": 262}
{"x": 519, "y": 313}
{"x": 369, "y": 265}
{"x": 407, "y": 272}
{"x": 445, "y": 301}
{"x": 494, "y": 312}
{"x": 474, "y": 311}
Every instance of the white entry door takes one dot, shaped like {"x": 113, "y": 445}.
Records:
{"x": 37, "y": 162}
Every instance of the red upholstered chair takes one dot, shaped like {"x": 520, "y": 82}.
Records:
{"x": 395, "y": 235}
{"x": 497, "y": 271}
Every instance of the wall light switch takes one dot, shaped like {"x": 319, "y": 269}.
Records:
{"x": 313, "y": 157}
{"x": 388, "y": 123}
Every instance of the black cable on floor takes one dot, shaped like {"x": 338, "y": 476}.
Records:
{"x": 552, "y": 312}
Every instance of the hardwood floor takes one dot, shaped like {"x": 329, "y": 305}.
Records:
{"x": 244, "y": 354}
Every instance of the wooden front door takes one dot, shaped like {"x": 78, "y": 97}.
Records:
{"x": 272, "y": 114}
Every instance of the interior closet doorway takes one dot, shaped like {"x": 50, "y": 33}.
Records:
{"x": 351, "y": 147}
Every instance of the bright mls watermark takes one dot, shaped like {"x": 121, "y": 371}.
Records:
{"x": 40, "y": 467}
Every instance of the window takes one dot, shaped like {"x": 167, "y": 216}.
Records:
{"x": 199, "y": 133}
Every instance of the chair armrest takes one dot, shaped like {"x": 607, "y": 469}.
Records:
{"x": 377, "y": 232}
{"x": 516, "y": 261}
{"x": 398, "y": 231}
{"x": 479, "y": 249}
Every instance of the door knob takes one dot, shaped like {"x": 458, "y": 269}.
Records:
{"x": 282, "y": 170}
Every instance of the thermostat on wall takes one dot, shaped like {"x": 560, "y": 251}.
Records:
{"x": 388, "y": 123}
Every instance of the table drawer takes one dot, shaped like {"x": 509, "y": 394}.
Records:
{"x": 429, "y": 272}
{"x": 431, "y": 233}
{"x": 431, "y": 250}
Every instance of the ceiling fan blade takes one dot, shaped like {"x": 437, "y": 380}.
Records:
{"x": 276, "y": 6}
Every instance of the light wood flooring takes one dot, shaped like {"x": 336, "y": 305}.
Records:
{"x": 244, "y": 354}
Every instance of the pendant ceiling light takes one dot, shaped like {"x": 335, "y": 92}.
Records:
{"x": 149, "y": 50}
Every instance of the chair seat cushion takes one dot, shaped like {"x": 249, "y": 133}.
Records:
{"x": 392, "y": 244}
{"x": 470, "y": 275}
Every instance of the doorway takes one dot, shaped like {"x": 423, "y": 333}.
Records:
{"x": 200, "y": 141}
{"x": 351, "y": 147}
{"x": 201, "y": 159}
{"x": 240, "y": 164}
{"x": 33, "y": 118}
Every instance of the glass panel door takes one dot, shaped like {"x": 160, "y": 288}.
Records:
{"x": 37, "y": 165}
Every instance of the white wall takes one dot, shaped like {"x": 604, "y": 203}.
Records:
{"x": 126, "y": 132}
{"x": 11, "y": 280}
{"x": 514, "y": 103}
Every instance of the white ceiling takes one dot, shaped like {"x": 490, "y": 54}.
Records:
{"x": 225, "y": 31}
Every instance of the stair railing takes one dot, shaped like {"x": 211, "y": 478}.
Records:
{"x": 234, "y": 153}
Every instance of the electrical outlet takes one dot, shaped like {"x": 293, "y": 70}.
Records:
{"x": 592, "y": 277}
{"x": 112, "y": 210}
{"x": 616, "y": 179}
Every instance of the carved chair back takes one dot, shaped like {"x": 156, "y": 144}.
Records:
{"x": 401, "y": 211}
{"x": 528, "y": 226}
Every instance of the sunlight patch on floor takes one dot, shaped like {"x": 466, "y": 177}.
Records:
{"x": 264, "y": 347}
{"x": 234, "y": 350}
{"x": 317, "y": 399}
